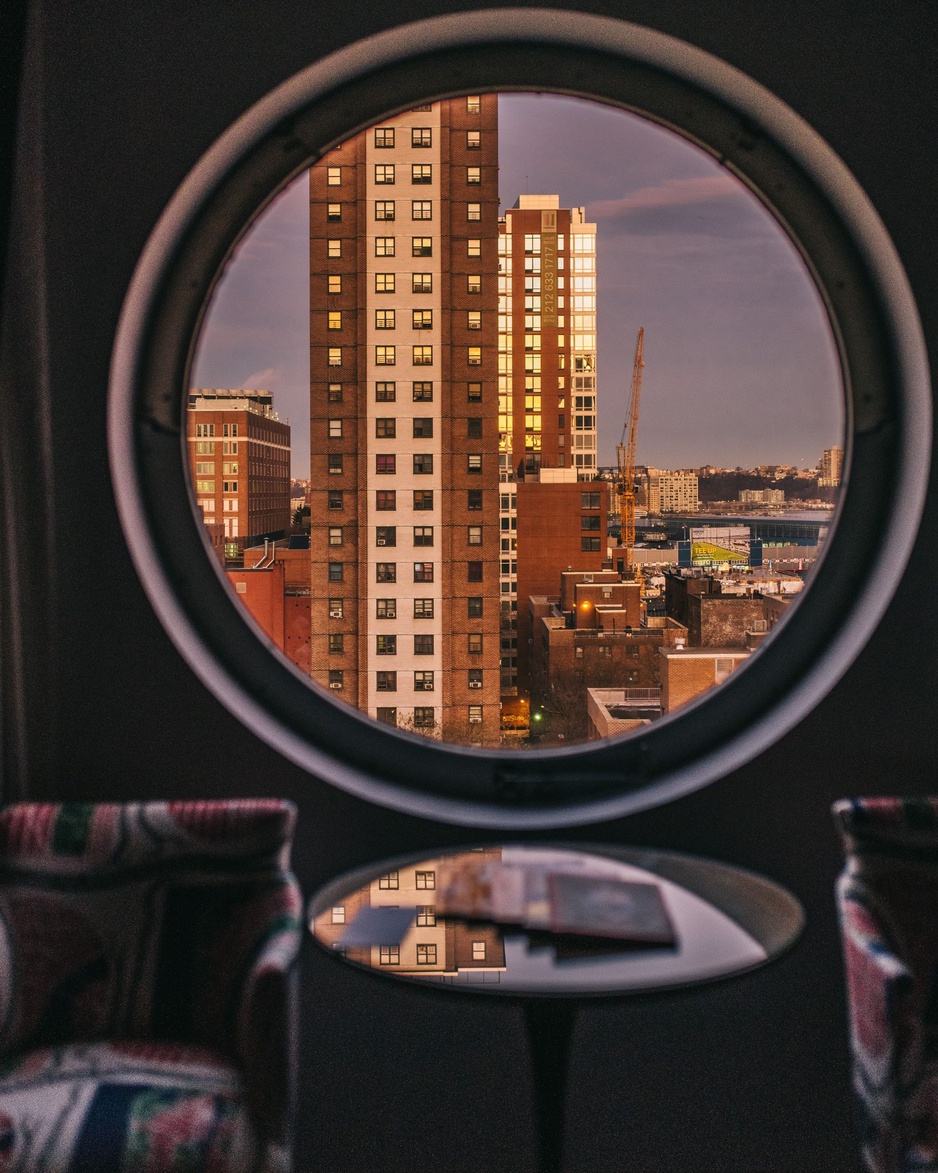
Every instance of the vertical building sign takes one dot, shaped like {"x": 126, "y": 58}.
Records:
{"x": 549, "y": 268}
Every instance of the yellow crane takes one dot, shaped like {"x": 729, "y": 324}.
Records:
{"x": 626, "y": 454}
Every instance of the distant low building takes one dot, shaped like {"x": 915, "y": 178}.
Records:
{"x": 762, "y": 496}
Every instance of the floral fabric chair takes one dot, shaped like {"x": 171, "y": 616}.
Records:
{"x": 888, "y": 902}
{"x": 146, "y": 998}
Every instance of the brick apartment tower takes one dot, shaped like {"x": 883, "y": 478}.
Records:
{"x": 547, "y": 408}
{"x": 403, "y": 420}
{"x": 239, "y": 457}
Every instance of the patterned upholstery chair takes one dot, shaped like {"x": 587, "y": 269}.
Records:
{"x": 146, "y": 997}
{"x": 888, "y": 902}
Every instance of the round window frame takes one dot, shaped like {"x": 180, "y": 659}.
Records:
{"x": 813, "y": 197}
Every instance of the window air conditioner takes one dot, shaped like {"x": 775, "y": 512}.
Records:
{"x": 335, "y": 614}
{"x": 335, "y": 684}
{"x": 475, "y": 683}
{"x": 426, "y": 685}
{"x": 475, "y": 720}
{"x": 381, "y": 542}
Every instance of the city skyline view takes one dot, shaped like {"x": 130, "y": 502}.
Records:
{"x": 740, "y": 363}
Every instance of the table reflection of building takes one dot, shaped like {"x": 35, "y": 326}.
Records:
{"x": 441, "y": 949}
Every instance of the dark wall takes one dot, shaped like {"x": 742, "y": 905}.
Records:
{"x": 118, "y": 102}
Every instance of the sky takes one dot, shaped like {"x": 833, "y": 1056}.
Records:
{"x": 740, "y": 365}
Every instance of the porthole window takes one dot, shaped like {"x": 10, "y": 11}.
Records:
{"x": 741, "y": 640}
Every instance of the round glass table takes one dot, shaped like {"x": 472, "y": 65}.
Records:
{"x": 550, "y": 926}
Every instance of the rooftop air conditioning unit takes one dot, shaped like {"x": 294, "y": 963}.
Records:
{"x": 335, "y": 684}
{"x": 475, "y": 683}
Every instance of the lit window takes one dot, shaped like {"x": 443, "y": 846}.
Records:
{"x": 474, "y": 283}
{"x": 389, "y": 954}
{"x": 474, "y": 462}
{"x": 384, "y": 283}
{"x": 478, "y": 947}
{"x": 473, "y": 139}
{"x": 384, "y": 246}
{"x": 389, "y": 882}
{"x": 474, "y": 104}
{"x": 424, "y": 716}
{"x": 338, "y": 914}
{"x": 423, "y": 535}
{"x": 335, "y": 356}
{"x": 384, "y": 319}
{"x": 335, "y": 393}
{"x": 385, "y": 392}
{"x": 422, "y": 319}
{"x": 474, "y": 535}
{"x": 384, "y": 173}
{"x": 384, "y": 136}
{"x": 423, "y": 463}
{"x": 386, "y": 645}
{"x": 421, "y": 173}
{"x": 426, "y": 916}
{"x": 384, "y": 209}
{"x": 423, "y": 572}
{"x": 423, "y": 392}
{"x": 335, "y": 535}
{"x": 474, "y": 392}
{"x": 423, "y": 645}
{"x": 386, "y": 681}
{"x": 335, "y": 429}
{"x": 385, "y": 463}
{"x": 421, "y": 246}
{"x": 423, "y": 356}
{"x": 474, "y": 319}
{"x": 421, "y": 210}
{"x": 421, "y": 136}
{"x": 335, "y": 283}
{"x": 473, "y": 248}
{"x": 333, "y": 212}
{"x": 473, "y": 175}
{"x": 334, "y": 176}
{"x": 474, "y": 356}
{"x": 424, "y": 880}
{"x": 473, "y": 211}
{"x": 333, "y": 248}
{"x": 423, "y": 427}
{"x": 426, "y": 954}
{"x": 385, "y": 572}
{"x": 474, "y": 643}
{"x": 422, "y": 282}
{"x": 384, "y": 356}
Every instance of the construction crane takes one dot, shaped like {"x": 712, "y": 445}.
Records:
{"x": 626, "y": 454}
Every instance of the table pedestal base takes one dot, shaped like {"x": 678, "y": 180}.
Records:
{"x": 549, "y": 1026}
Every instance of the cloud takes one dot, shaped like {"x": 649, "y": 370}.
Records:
{"x": 675, "y": 193}
{"x": 265, "y": 378}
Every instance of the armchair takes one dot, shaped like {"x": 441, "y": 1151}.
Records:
{"x": 146, "y": 998}
{"x": 888, "y": 903}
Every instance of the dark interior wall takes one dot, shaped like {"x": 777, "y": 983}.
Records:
{"x": 117, "y": 104}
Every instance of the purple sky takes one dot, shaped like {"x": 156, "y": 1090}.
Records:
{"x": 740, "y": 367}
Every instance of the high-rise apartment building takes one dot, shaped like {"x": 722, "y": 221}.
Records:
{"x": 546, "y": 382}
{"x": 239, "y": 457}
{"x": 671, "y": 491}
{"x": 403, "y": 420}
{"x": 832, "y": 467}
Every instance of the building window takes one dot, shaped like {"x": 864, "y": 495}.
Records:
{"x": 473, "y": 499}
{"x": 422, "y": 319}
{"x": 424, "y": 716}
{"x": 336, "y": 643}
{"x": 338, "y": 914}
{"x": 384, "y": 356}
{"x": 474, "y": 356}
{"x": 385, "y": 427}
{"x": 589, "y": 545}
{"x": 474, "y": 428}
{"x": 424, "y": 881}
{"x": 384, "y": 136}
{"x": 473, "y": 282}
{"x": 423, "y": 535}
{"x": 335, "y": 535}
{"x": 421, "y": 209}
{"x": 386, "y": 645}
{"x": 474, "y": 571}
{"x": 421, "y": 246}
{"x": 426, "y": 954}
{"x": 333, "y": 248}
{"x": 334, "y": 393}
{"x": 474, "y": 392}
{"x": 386, "y": 499}
{"x": 474, "y": 320}
{"x": 587, "y": 522}
{"x": 385, "y": 319}
{"x": 474, "y": 535}
{"x": 337, "y": 608}
{"x": 423, "y": 572}
{"x": 474, "y": 104}
{"x": 384, "y": 172}
{"x": 421, "y": 136}
{"x": 335, "y": 460}
{"x": 386, "y": 535}
{"x": 335, "y": 283}
{"x": 473, "y": 175}
{"x": 478, "y": 950}
{"x": 423, "y": 681}
{"x": 385, "y": 463}
{"x": 384, "y": 246}
{"x": 423, "y": 463}
{"x": 423, "y": 428}
{"x": 474, "y": 140}
{"x": 389, "y": 954}
{"x": 423, "y": 645}
{"x": 422, "y": 282}
{"x": 336, "y": 500}
{"x": 421, "y": 173}
{"x": 384, "y": 283}
{"x": 474, "y": 607}
{"x": 423, "y": 392}
{"x": 590, "y": 501}
{"x": 336, "y": 679}
{"x": 333, "y": 176}
{"x": 385, "y": 572}
{"x": 423, "y": 356}
{"x": 423, "y": 499}
{"x": 423, "y": 608}
{"x": 474, "y": 643}
{"x": 335, "y": 356}
{"x": 473, "y": 248}
{"x": 335, "y": 429}
{"x": 474, "y": 462}
{"x": 475, "y": 714}
{"x": 336, "y": 571}
{"x": 387, "y": 716}
{"x": 335, "y": 320}
{"x": 384, "y": 209}
{"x": 385, "y": 392}
{"x": 333, "y": 213}
{"x": 473, "y": 211}
{"x": 386, "y": 682}
{"x": 426, "y": 916}
{"x": 385, "y": 608}
{"x": 474, "y": 678}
